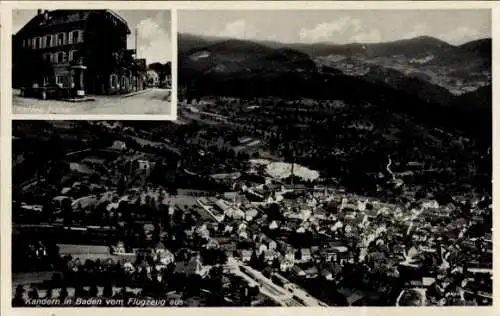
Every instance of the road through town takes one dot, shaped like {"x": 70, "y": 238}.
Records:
{"x": 149, "y": 101}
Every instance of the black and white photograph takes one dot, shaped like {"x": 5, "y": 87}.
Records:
{"x": 91, "y": 62}
{"x": 319, "y": 158}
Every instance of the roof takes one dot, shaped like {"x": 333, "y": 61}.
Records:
{"x": 246, "y": 253}
{"x": 38, "y": 19}
{"x": 298, "y": 270}
{"x": 116, "y": 15}
{"x": 312, "y": 270}
{"x": 306, "y": 251}
{"x": 160, "y": 245}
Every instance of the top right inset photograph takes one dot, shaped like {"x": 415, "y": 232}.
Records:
{"x": 371, "y": 138}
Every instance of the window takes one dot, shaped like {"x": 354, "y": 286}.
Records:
{"x": 33, "y": 44}
{"x": 28, "y": 43}
{"x": 60, "y": 39}
{"x": 72, "y": 55}
{"x": 37, "y": 43}
{"x": 113, "y": 81}
{"x": 75, "y": 37}
{"x": 60, "y": 80}
{"x": 48, "y": 41}
{"x": 48, "y": 57}
{"x": 60, "y": 58}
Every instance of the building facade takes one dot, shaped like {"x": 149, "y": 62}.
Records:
{"x": 78, "y": 50}
{"x": 153, "y": 78}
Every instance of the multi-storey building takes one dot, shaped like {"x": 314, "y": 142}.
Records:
{"x": 77, "y": 49}
{"x": 153, "y": 78}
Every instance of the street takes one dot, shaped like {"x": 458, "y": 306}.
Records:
{"x": 149, "y": 101}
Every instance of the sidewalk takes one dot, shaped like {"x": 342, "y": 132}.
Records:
{"x": 133, "y": 93}
{"x": 149, "y": 101}
{"x": 84, "y": 99}
{"x": 95, "y": 97}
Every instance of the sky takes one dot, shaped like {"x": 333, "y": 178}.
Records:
{"x": 338, "y": 26}
{"x": 154, "y": 37}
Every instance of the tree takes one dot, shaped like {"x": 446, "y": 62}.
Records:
{"x": 67, "y": 211}
{"x": 33, "y": 294}
{"x": 274, "y": 213}
{"x": 93, "y": 290}
{"x": 18, "y": 299}
{"x": 262, "y": 261}
{"x": 254, "y": 260}
{"x": 56, "y": 280}
{"x": 216, "y": 298}
{"x": 332, "y": 207}
{"x": 108, "y": 290}
{"x": 79, "y": 291}
{"x": 276, "y": 264}
{"x": 163, "y": 70}
{"x": 193, "y": 285}
{"x": 50, "y": 292}
{"x": 298, "y": 254}
{"x": 63, "y": 294}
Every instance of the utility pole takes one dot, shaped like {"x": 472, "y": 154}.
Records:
{"x": 292, "y": 173}
{"x": 136, "y": 39}
{"x": 136, "y": 57}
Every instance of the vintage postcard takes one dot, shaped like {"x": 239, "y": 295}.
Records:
{"x": 250, "y": 157}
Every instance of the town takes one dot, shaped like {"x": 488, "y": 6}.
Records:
{"x": 229, "y": 206}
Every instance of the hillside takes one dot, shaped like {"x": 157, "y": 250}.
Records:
{"x": 411, "y": 85}
{"x": 414, "y": 48}
{"x": 481, "y": 47}
{"x": 190, "y": 42}
{"x": 420, "y": 76}
{"x": 458, "y": 69}
{"x": 237, "y": 57}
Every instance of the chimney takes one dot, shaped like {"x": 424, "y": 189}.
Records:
{"x": 39, "y": 11}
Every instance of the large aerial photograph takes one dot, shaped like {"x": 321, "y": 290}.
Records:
{"x": 91, "y": 62}
{"x": 319, "y": 158}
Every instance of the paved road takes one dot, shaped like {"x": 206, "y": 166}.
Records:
{"x": 150, "y": 101}
{"x": 266, "y": 286}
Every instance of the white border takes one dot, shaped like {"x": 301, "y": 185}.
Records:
{"x": 5, "y": 161}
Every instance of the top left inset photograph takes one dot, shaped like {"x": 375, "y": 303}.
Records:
{"x": 104, "y": 62}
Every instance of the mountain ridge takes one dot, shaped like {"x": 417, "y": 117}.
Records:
{"x": 205, "y": 40}
{"x": 419, "y": 72}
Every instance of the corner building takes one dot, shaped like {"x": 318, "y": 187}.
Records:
{"x": 84, "y": 51}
